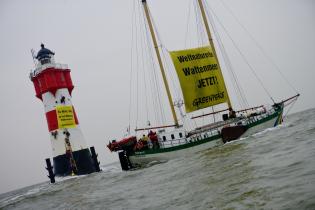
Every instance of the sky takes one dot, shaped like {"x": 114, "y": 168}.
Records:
{"x": 94, "y": 39}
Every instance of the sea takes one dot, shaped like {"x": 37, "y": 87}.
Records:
{"x": 273, "y": 169}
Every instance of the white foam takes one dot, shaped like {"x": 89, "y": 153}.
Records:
{"x": 64, "y": 178}
{"x": 14, "y": 198}
{"x": 268, "y": 130}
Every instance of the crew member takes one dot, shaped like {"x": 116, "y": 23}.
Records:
{"x": 145, "y": 141}
{"x": 154, "y": 139}
{"x": 232, "y": 113}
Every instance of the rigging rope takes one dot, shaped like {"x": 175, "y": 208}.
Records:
{"x": 259, "y": 46}
{"x": 186, "y": 119}
{"x": 199, "y": 27}
{"x": 137, "y": 65}
{"x": 292, "y": 104}
{"x": 152, "y": 83}
{"x": 154, "y": 90}
{"x": 170, "y": 73}
{"x": 131, "y": 66}
{"x": 165, "y": 61}
{"x": 243, "y": 56}
{"x": 187, "y": 26}
{"x": 156, "y": 81}
{"x": 167, "y": 69}
{"x": 143, "y": 69}
{"x": 238, "y": 88}
{"x": 200, "y": 34}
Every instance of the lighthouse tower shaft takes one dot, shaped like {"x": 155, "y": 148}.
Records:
{"x": 53, "y": 86}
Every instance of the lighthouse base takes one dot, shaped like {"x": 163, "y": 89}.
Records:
{"x": 83, "y": 161}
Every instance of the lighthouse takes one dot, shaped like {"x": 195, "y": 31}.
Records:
{"x": 53, "y": 86}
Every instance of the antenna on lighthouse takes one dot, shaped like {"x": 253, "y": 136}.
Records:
{"x": 33, "y": 56}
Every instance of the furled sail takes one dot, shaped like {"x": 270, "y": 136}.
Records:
{"x": 200, "y": 78}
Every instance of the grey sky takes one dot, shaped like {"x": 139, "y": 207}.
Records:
{"x": 93, "y": 38}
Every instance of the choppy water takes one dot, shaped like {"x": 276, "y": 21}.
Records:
{"x": 274, "y": 169}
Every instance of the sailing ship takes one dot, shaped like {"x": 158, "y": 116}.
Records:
{"x": 202, "y": 84}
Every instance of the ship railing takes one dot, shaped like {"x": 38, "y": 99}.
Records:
{"x": 173, "y": 142}
{"x": 258, "y": 117}
{"x": 185, "y": 140}
{"x": 204, "y": 135}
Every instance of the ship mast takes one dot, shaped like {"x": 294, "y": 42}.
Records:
{"x": 147, "y": 14}
{"x": 211, "y": 43}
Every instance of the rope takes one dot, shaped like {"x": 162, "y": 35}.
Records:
{"x": 143, "y": 69}
{"x": 152, "y": 81}
{"x": 214, "y": 114}
{"x": 259, "y": 46}
{"x": 162, "y": 114}
{"x": 289, "y": 109}
{"x": 167, "y": 69}
{"x": 131, "y": 66}
{"x": 153, "y": 93}
{"x": 198, "y": 23}
{"x": 238, "y": 88}
{"x": 165, "y": 61}
{"x": 171, "y": 74}
{"x": 137, "y": 65}
{"x": 243, "y": 56}
{"x": 187, "y": 26}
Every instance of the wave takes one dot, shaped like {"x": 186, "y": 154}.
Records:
{"x": 267, "y": 130}
{"x": 14, "y": 197}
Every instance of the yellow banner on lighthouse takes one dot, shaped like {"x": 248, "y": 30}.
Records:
{"x": 65, "y": 117}
{"x": 200, "y": 78}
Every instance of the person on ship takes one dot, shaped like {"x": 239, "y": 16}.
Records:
{"x": 232, "y": 113}
{"x": 145, "y": 141}
{"x": 154, "y": 139}
{"x": 44, "y": 54}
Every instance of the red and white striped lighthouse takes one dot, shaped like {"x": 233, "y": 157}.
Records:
{"x": 53, "y": 86}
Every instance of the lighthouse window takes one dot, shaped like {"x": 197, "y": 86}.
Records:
{"x": 172, "y": 136}
{"x": 180, "y": 135}
{"x": 164, "y": 138}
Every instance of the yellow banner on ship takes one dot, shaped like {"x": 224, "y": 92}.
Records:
{"x": 65, "y": 117}
{"x": 200, "y": 78}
